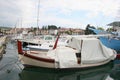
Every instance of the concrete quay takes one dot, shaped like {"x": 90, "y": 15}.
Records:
{"x": 3, "y": 40}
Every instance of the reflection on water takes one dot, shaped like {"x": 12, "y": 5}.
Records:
{"x": 115, "y": 72}
{"x": 96, "y": 73}
{"x": 12, "y": 69}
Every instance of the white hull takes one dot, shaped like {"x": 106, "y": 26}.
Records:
{"x": 33, "y": 62}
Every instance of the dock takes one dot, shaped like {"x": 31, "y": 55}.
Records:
{"x": 3, "y": 41}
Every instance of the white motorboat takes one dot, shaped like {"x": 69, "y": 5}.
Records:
{"x": 45, "y": 43}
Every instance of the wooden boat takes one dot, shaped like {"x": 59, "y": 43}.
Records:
{"x": 78, "y": 54}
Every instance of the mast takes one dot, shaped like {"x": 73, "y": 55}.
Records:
{"x": 38, "y": 16}
{"x": 21, "y": 22}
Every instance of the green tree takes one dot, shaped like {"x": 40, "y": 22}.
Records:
{"x": 35, "y": 29}
{"x": 68, "y": 32}
{"x": 100, "y": 28}
{"x": 109, "y": 29}
{"x": 0, "y": 30}
{"x": 44, "y": 27}
{"x": 52, "y": 27}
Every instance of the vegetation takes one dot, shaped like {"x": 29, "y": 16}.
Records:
{"x": 88, "y": 31}
{"x": 4, "y": 29}
{"x": 49, "y": 27}
{"x": 100, "y": 28}
{"x": 109, "y": 29}
{"x": 69, "y": 32}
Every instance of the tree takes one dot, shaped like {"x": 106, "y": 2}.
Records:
{"x": 52, "y": 27}
{"x": 59, "y": 27}
{"x": 68, "y": 32}
{"x": 100, "y": 28}
{"x": 109, "y": 29}
{"x": 0, "y": 30}
{"x": 49, "y": 27}
{"x": 88, "y": 31}
{"x": 34, "y": 29}
{"x": 44, "y": 27}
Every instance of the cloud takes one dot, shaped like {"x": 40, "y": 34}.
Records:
{"x": 17, "y": 10}
{"x": 93, "y": 8}
{"x": 93, "y": 5}
{"x": 60, "y": 22}
{"x": 67, "y": 13}
{"x": 107, "y": 7}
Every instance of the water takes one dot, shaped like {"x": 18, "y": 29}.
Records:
{"x": 12, "y": 69}
{"x": 97, "y": 73}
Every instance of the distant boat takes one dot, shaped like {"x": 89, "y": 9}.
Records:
{"x": 44, "y": 43}
{"x": 78, "y": 54}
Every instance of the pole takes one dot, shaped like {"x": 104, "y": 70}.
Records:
{"x": 56, "y": 42}
{"x": 38, "y": 15}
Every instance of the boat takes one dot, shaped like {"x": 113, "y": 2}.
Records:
{"x": 77, "y": 54}
{"x": 44, "y": 43}
{"x": 110, "y": 40}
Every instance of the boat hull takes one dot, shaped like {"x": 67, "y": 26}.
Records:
{"x": 31, "y": 60}
{"x": 28, "y": 60}
{"x": 111, "y": 43}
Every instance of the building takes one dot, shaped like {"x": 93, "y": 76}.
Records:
{"x": 115, "y": 25}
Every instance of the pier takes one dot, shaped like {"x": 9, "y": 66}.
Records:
{"x": 3, "y": 40}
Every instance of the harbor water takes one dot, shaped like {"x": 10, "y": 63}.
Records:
{"x": 12, "y": 69}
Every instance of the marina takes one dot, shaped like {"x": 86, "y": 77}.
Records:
{"x": 48, "y": 40}
{"x": 3, "y": 40}
{"x": 12, "y": 69}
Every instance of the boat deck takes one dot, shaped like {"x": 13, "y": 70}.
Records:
{"x": 42, "y": 54}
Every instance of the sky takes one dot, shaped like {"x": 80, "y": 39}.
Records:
{"x": 62, "y": 13}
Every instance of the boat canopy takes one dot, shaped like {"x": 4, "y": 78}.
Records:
{"x": 92, "y": 51}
